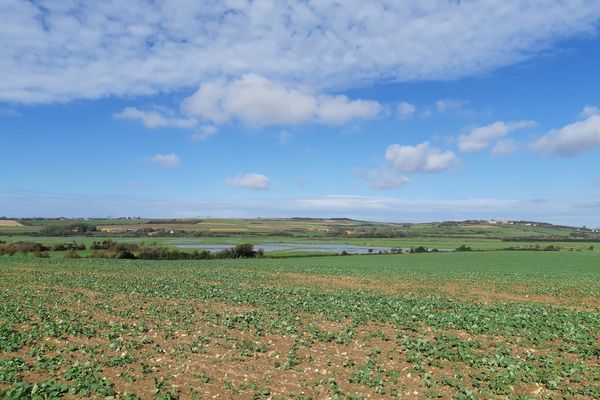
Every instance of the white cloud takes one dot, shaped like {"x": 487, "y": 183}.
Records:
{"x": 340, "y": 109}
{"x": 481, "y": 137}
{"x": 383, "y": 179}
{"x": 588, "y": 111}
{"x": 284, "y": 136}
{"x": 251, "y": 181}
{"x": 504, "y": 147}
{"x": 387, "y": 204}
{"x": 419, "y": 158}
{"x": 258, "y": 101}
{"x": 207, "y": 131}
{"x": 165, "y": 160}
{"x": 154, "y": 119}
{"x": 571, "y": 139}
{"x": 406, "y": 110}
{"x": 60, "y": 51}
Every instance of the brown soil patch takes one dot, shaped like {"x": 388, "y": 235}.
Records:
{"x": 9, "y": 222}
{"x": 485, "y": 292}
{"x": 216, "y": 350}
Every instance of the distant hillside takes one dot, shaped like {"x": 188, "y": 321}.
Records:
{"x": 297, "y": 227}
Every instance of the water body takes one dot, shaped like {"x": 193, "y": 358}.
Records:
{"x": 307, "y": 247}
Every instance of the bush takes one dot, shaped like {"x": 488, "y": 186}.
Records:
{"x": 163, "y": 253}
{"x": 22, "y": 247}
{"x": 71, "y": 253}
{"x": 67, "y": 246}
{"x": 463, "y": 248}
{"x": 245, "y": 250}
{"x": 110, "y": 245}
{"x": 124, "y": 255}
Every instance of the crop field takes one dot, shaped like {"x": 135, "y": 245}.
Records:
{"x": 481, "y": 325}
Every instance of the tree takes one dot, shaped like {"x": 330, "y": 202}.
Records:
{"x": 245, "y": 250}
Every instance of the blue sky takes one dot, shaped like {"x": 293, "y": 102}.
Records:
{"x": 383, "y": 111}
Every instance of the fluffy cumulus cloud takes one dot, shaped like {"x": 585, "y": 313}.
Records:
{"x": 258, "y": 101}
{"x": 170, "y": 160}
{"x": 253, "y": 181}
{"x": 64, "y": 50}
{"x": 154, "y": 119}
{"x": 406, "y": 110}
{"x": 420, "y": 158}
{"x": 571, "y": 139}
{"x": 479, "y": 138}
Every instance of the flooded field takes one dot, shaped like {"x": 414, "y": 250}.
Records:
{"x": 305, "y": 247}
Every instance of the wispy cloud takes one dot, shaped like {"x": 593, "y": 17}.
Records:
{"x": 574, "y": 211}
{"x": 154, "y": 119}
{"x": 449, "y": 105}
{"x": 284, "y": 137}
{"x": 206, "y": 132}
{"x": 170, "y": 160}
{"x": 406, "y": 110}
{"x": 588, "y": 111}
{"x": 479, "y": 138}
{"x": 383, "y": 179}
{"x": 504, "y": 147}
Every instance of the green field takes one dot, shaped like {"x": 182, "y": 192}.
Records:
{"x": 483, "y": 325}
{"x": 478, "y": 235}
{"x": 449, "y": 243}
{"x": 312, "y": 228}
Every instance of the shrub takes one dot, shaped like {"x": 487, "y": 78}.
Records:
{"x": 124, "y": 255}
{"x": 163, "y": 253}
{"x": 463, "y": 248}
{"x": 71, "y": 253}
{"x": 67, "y": 246}
{"x": 22, "y": 247}
{"x": 245, "y": 250}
